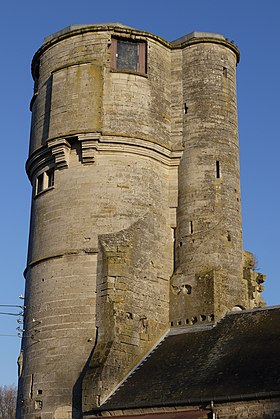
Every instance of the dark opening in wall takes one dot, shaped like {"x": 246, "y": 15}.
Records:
{"x": 50, "y": 178}
{"x": 40, "y": 183}
{"x": 218, "y": 170}
{"x": 225, "y": 72}
{"x": 191, "y": 227}
{"x": 185, "y": 108}
{"x": 129, "y": 55}
{"x": 194, "y": 320}
{"x": 174, "y": 248}
{"x": 211, "y": 317}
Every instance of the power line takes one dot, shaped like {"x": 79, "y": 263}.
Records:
{"x": 17, "y": 336}
{"x": 11, "y": 305}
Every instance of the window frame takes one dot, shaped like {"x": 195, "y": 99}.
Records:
{"x": 44, "y": 181}
{"x": 142, "y": 55}
{"x": 40, "y": 183}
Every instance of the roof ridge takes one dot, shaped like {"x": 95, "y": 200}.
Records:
{"x": 198, "y": 327}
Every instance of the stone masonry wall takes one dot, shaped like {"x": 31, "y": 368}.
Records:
{"x": 209, "y": 211}
{"x": 111, "y": 178}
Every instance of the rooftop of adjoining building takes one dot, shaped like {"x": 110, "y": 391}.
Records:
{"x": 235, "y": 359}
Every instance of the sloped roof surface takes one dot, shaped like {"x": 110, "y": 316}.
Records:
{"x": 239, "y": 358}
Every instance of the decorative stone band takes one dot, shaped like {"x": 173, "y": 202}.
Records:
{"x": 37, "y": 161}
{"x": 66, "y": 253}
{"x": 56, "y": 152}
{"x": 144, "y": 147}
{"x": 60, "y": 149}
{"x": 88, "y": 146}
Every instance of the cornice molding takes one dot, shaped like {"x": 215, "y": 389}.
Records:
{"x": 57, "y": 150}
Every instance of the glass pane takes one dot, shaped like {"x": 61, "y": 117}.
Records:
{"x": 127, "y": 56}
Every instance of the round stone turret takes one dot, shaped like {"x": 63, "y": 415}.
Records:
{"x": 208, "y": 278}
{"x": 100, "y": 161}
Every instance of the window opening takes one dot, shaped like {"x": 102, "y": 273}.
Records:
{"x": 129, "y": 55}
{"x": 218, "y": 171}
{"x": 45, "y": 181}
{"x": 50, "y": 178}
{"x": 191, "y": 227}
{"x": 194, "y": 320}
{"x": 225, "y": 72}
{"x": 174, "y": 248}
{"x": 40, "y": 183}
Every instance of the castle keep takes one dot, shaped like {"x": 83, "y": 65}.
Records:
{"x": 135, "y": 231}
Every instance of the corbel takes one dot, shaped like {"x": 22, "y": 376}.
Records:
{"x": 60, "y": 149}
{"x": 88, "y": 146}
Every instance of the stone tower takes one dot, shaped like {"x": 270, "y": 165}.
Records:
{"x": 136, "y": 220}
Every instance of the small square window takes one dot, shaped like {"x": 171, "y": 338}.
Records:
{"x": 128, "y": 55}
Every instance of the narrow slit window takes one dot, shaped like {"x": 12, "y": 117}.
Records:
{"x": 50, "y": 178}
{"x": 174, "y": 248}
{"x": 185, "y": 108}
{"x": 191, "y": 227}
{"x": 218, "y": 170}
{"x": 225, "y": 72}
{"x": 40, "y": 183}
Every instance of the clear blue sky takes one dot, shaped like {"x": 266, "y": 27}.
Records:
{"x": 254, "y": 27}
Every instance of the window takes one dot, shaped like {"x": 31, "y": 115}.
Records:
{"x": 44, "y": 181}
{"x": 40, "y": 183}
{"x": 128, "y": 55}
{"x": 50, "y": 178}
{"x": 218, "y": 170}
{"x": 191, "y": 227}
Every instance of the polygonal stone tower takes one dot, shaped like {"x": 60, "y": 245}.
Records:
{"x": 136, "y": 219}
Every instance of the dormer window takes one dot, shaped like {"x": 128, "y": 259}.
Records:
{"x": 129, "y": 55}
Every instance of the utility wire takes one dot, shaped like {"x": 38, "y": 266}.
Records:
{"x": 11, "y": 305}
{"x": 10, "y": 335}
{"x": 11, "y": 314}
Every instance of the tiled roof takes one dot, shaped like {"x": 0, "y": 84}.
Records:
{"x": 237, "y": 359}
